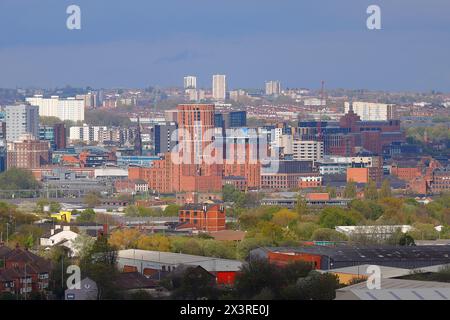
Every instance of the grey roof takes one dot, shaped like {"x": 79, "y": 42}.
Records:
{"x": 386, "y": 272}
{"x": 396, "y": 289}
{"x": 383, "y": 255}
{"x": 208, "y": 263}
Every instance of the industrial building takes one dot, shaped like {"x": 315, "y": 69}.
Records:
{"x": 157, "y": 263}
{"x": 327, "y": 257}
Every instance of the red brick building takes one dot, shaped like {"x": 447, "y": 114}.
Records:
{"x": 310, "y": 181}
{"x": 22, "y": 272}
{"x": 189, "y": 169}
{"x": 204, "y": 217}
{"x": 28, "y": 154}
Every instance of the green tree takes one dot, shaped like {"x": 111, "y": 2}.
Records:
{"x": 370, "y": 190}
{"x": 385, "y": 191}
{"x": 171, "y": 210}
{"x": 100, "y": 265}
{"x": 261, "y": 279}
{"x": 305, "y": 230}
{"x": 326, "y": 234}
{"x": 59, "y": 261}
{"x": 230, "y": 193}
{"x": 270, "y": 230}
{"x": 285, "y": 217}
{"x": 87, "y": 215}
{"x": 301, "y": 206}
{"x": 194, "y": 283}
{"x": 18, "y": 179}
{"x": 332, "y": 216}
{"x": 406, "y": 240}
{"x": 256, "y": 276}
{"x": 102, "y": 118}
{"x": 55, "y": 206}
{"x": 371, "y": 210}
{"x": 424, "y": 231}
{"x": 49, "y": 121}
{"x": 331, "y": 191}
{"x": 350, "y": 190}
{"x": 92, "y": 199}
{"x": 316, "y": 286}
{"x": 83, "y": 245}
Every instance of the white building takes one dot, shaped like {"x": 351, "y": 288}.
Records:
{"x": 190, "y": 82}
{"x": 273, "y": 88}
{"x": 219, "y": 87}
{"x": 192, "y": 94}
{"x": 378, "y": 232}
{"x": 304, "y": 150}
{"x": 149, "y": 262}
{"x": 21, "y": 120}
{"x": 85, "y": 133}
{"x": 64, "y": 109}
{"x": 369, "y": 111}
{"x": 339, "y": 164}
{"x": 314, "y": 102}
{"x": 60, "y": 236}
{"x": 110, "y": 173}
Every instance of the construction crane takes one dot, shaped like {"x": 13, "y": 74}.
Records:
{"x": 322, "y": 102}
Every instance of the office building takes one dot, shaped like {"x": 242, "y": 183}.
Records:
{"x": 283, "y": 175}
{"x": 190, "y": 82}
{"x": 55, "y": 134}
{"x": 219, "y": 87}
{"x": 307, "y": 150}
{"x": 21, "y": 120}
{"x": 233, "y": 119}
{"x": 163, "y": 137}
{"x": 371, "y": 111}
{"x": 28, "y": 154}
{"x": 64, "y": 109}
{"x": 273, "y": 88}
{"x": 187, "y": 170}
{"x": 171, "y": 115}
{"x": 90, "y": 100}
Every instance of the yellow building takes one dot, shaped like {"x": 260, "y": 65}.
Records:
{"x": 63, "y": 216}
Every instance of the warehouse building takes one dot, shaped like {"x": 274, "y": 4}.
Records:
{"x": 157, "y": 263}
{"x": 326, "y": 257}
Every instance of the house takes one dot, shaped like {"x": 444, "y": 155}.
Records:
{"x": 205, "y": 217}
{"x": 22, "y": 272}
{"x": 60, "y": 236}
{"x": 132, "y": 282}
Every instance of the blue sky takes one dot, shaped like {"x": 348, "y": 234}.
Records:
{"x": 136, "y": 43}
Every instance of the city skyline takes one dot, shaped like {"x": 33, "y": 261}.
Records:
{"x": 299, "y": 43}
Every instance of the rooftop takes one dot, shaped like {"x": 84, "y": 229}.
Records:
{"x": 396, "y": 289}
{"x": 170, "y": 258}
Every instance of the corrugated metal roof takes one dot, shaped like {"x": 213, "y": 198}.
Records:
{"x": 386, "y": 272}
{"x": 404, "y": 294}
{"x": 169, "y": 258}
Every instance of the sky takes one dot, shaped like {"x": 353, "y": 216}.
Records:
{"x": 140, "y": 43}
